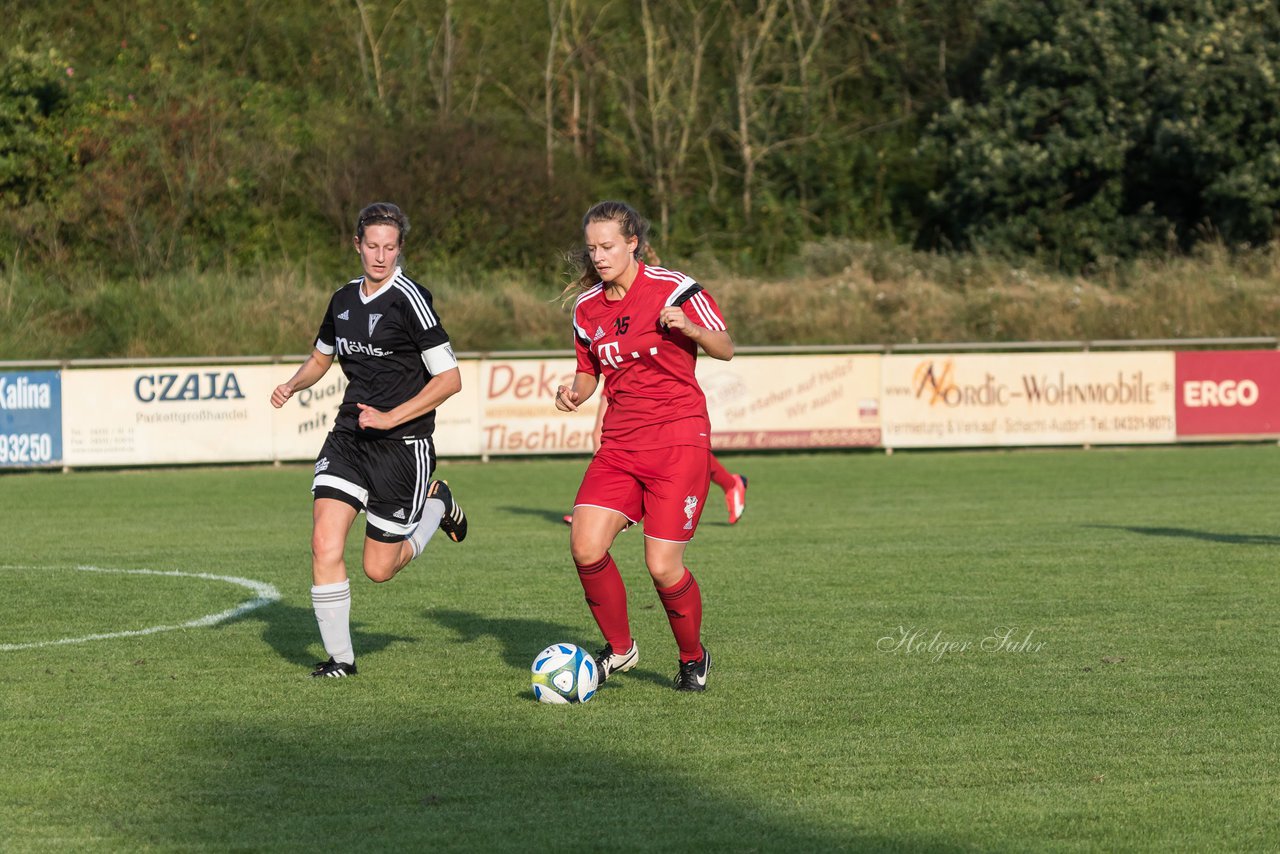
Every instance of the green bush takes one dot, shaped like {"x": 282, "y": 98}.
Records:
{"x": 1098, "y": 128}
{"x": 35, "y": 100}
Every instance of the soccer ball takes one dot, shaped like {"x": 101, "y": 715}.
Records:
{"x": 564, "y": 673}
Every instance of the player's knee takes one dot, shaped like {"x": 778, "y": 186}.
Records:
{"x": 665, "y": 575}
{"x": 379, "y": 571}
{"x": 383, "y": 560}
{"x": 586, "y": 550}
{"x": 326, "y": 549}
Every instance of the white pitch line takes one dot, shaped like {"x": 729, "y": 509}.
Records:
{"x": 266, "y": 594}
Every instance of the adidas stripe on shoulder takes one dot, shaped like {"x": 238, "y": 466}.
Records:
{"x": 418, "y": 300}
{"x": 686, "y": 290}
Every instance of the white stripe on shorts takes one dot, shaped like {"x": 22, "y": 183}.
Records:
{"x": 422, "y": 454}
{"x": 390, "y": 525}
{"x": 334, "y": 482}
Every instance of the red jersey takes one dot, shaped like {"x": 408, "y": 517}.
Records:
{"x": 654, "y": 397}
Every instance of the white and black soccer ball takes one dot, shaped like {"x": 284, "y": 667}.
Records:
{"x": 564, "y": 673}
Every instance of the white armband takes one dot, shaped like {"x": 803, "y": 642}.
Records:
{"x": 439, "y": 359}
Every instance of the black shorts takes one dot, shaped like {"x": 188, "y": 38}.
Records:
{"x": 386, "y": 478}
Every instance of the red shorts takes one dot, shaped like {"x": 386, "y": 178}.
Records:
{"x": 667, "y": 487}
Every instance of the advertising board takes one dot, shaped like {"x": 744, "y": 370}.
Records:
{"x": 30, "y": 419}
{"x": 809, "y": 401}
{"x": 1228, "y": 394}
{"x": 958, "y": 400}
{"x": 517, "y": 412}
{"x": 141, "y": 416}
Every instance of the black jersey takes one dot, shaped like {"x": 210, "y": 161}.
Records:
{"x": 384, "y": 344}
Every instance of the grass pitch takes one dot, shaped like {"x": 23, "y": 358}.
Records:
{"x": 1041, "y": 650}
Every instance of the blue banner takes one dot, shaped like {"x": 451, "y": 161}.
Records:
{"x": 30, "y": 419}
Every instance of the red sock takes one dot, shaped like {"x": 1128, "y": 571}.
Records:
{"x": 683, "y": 602}
{"x": 607, "y": 597}
{"x": 719, "y": 474}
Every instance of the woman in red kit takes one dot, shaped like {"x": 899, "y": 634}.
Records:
{"x": 640, "y": 328}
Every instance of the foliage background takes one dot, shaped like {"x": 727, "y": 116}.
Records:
{"x": 172, "y": 147}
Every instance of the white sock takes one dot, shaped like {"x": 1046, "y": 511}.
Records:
{"x": 332, "y": 603}
{"x": 432, "y": 513}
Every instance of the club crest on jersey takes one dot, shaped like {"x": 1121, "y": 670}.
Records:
{"x": 690, "y": 507}
{"x": 346, "y": 315}
{"x": 373, "y": 321}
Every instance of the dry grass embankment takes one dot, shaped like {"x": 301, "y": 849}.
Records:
{"x": 838, "y": 293}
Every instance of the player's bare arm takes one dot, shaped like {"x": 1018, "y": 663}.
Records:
{"x": 315, "y": 367}
{"x": 440, "y": 388}
{"x": 569, "y": 398}
{"x": 715, "y": 343}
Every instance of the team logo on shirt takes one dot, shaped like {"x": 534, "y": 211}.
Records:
{"x": 690, "y": 508}
{"x": 373, "y": 321}
{"x": 610, "y": 353}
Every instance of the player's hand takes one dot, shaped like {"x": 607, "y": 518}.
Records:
{"x": 374, "y": 419}
{"x": 566, "y": 399}
{"x": 673, "y": 317}
{"x": 283, "y": 392}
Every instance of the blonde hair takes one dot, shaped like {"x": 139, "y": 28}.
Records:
{"x": 630, "y": 224}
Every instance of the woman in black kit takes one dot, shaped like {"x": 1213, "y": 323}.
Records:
{"x": 384, "y": 331}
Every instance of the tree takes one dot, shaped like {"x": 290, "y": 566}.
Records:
{"x": 1103, "y": 128}
{"x": 371, "y": 43}
{"x": 1210, "y": 164}
{"x": 661, "y": 96}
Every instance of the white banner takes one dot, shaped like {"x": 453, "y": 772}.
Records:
{"x": 219, "y": 414}
{"x": 299, "y": 427}
{"x": 754, "y": 402}
{"x": 939, "y": 401}
{"x": 517, "y": 410}
{"x": 158, "y": 415}
{"x": 792, "y": 401}
{"x": 141, "y": 416}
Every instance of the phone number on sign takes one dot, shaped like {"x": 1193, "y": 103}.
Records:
{"x": 26, "y": 448}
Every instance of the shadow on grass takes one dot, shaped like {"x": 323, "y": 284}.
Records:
{"x": 556, "y": 516}
{"x": 427, "y": 784}
{"x": 1191, "y": 534}
{"x": 522, "y": 639}
{"x": 291, "y": 631}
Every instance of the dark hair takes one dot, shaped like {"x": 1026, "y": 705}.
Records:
{"x": 630, "y": 223}
{"x": 382, "y": 213}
